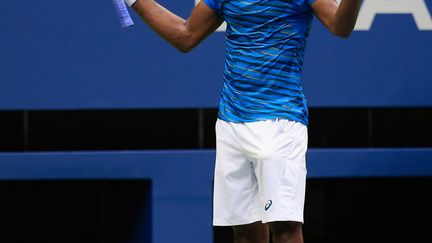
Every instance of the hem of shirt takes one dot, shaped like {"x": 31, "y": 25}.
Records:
{"x": 291, "y": 118}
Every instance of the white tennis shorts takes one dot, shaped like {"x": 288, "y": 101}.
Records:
{"x": 260, "y": 172}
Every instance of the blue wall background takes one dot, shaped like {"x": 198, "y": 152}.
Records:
{"x": 74, "y": 55}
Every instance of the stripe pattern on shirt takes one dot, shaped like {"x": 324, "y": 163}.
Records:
{"x": 265, "y": 43}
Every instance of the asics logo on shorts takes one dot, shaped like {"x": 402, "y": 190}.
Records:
{"x": 268, "y": 205}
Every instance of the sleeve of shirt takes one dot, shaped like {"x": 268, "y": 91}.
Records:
{"x": 214, "y": 5}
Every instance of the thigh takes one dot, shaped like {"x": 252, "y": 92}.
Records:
{"x": 285, "y": 227}
{"x": 251, "y": 233}
{"x": 286, "y": 231}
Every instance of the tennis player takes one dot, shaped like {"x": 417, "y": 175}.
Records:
{"x": 261, "y": 129}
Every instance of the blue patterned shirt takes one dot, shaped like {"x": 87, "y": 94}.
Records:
{"x": 265, "y": 43}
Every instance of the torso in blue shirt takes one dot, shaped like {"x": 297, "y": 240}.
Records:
{"x": 265, "y": 42}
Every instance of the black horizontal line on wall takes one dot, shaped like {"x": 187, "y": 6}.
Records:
{"x": 68, "y": 130}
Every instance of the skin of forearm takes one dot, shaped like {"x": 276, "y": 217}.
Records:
{"x": 345, "y": 17}
{"x": 165, "y": 23}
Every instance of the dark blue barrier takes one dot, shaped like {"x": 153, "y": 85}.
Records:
{"x": 181, "y": 184}
{"x": 182, "y": 180}
{"x": 197, "y": 165}
{"x": 74, "y": 55}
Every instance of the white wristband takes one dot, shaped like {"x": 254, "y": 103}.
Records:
{"x": 130, "y": 2}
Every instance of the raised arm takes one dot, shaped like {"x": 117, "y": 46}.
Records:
{"x": 339, "y": 18}
{"x": 182, "y": 34}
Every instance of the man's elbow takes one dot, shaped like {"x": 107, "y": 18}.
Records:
{"x": 184, "y": 48}
{"x": 341, "y": 32}
{"x": 185, "y": 43}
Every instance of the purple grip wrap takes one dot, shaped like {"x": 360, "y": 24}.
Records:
{"x": 123, "y": 13}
